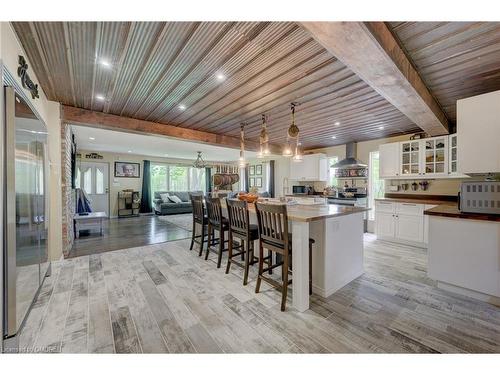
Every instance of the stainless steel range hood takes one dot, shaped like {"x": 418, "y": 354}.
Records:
{"x": 350, "y": 161}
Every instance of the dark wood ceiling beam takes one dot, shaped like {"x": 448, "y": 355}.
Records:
{"x": 78, "y": 116}
{"x": 372, "y": 52}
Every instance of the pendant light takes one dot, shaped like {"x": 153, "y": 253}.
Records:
{"x": 292, "y": 133}
{"x": 292, "y": 148}
{"x": 263, "y": 139}
{"x": 199, "y": 162}
{"x": 242, "y": 160}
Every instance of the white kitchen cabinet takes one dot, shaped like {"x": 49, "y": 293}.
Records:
{"x": 385, "y": 225}
{"x": 313, "y": 167}
{"x": 419, "y": 158}
{"x": 410, "y": 158}
{"x": 454, "y": 169}
{"x": 410, "y": 227}
{"x": 400, "y": 222}
{"x": 478, "y": 134}
{"x": 389, "y": 160}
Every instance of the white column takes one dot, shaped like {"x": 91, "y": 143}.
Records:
{"x": 300, "y": 264}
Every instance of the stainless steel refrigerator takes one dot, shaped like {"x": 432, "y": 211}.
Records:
{"x": 25, "y": 250}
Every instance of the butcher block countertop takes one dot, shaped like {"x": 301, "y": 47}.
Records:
{"x": 454, "y": 212}
{"x": 420, "y": 199}
{"x": 315, "y": 212}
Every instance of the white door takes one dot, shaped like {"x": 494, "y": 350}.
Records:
{"x": 93, "y": 178}
{"x": 384, "y": 225}
{"x": 410, "y": 227}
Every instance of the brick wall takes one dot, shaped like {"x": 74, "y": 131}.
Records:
{"x": 68, "y": 194}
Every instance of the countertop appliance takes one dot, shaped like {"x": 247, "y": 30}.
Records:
{"x": 302, "y": 189}
{"x": 480, "y": 197}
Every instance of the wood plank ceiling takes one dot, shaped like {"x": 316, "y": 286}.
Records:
{"x": 158, "y": 66}
{"x": 455, "y": 59}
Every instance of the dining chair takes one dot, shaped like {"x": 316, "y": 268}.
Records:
{"x": 216, "y": 222}
{"x": 274, "y": 237}
{"x": 199, "y": 218}
{"x": 241, "y": 229}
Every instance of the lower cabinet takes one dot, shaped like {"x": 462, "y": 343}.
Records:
{"x": 400, "y": 222}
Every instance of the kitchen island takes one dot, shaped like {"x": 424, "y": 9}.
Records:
{"x": 337, "y": 252}
{"x": 464, "y": 252}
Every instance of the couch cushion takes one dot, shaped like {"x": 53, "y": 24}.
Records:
{"x": 176, "y": 205}
{"x": 183, "y": 195}
{"x": 165, "y": 197}
{"x": 175, "y": 199}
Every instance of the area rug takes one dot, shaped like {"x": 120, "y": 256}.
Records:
{"x": 185, "y": 221}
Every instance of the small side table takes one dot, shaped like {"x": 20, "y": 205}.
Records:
{"x": 90, "y": 221}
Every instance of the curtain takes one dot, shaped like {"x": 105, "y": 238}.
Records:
{"x": 247, "y": 182}
{"x": 208, "y": 179}
{"x": 146, "y": 207}
{"x": 271, "y": 179}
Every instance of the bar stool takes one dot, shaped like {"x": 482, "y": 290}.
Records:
{"x": 274, "y": 236}
{"x": 216, "y": 222}
{"x": 240, "y": 227}
{"x": 200, "y": 218}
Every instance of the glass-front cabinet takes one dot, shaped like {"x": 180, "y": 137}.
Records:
{"x": 424, "y": 157}
{"x": 410, "y": 158}
{"x": 452, "y": 149}
{"x": 435, "y": 161}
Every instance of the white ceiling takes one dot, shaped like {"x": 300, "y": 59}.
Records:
{"x": 150, "y": 145}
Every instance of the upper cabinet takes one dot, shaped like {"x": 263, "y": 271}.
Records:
{"x": 478, "y": 130}
{"x": 389, "y": 160}
{"x": 313, "y": 167}
{"x": 419, "y": 158}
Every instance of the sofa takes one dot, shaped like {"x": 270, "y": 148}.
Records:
{"x": 170, "y": 208}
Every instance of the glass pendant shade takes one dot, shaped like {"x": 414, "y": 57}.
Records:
{"x": 199, "y": 162}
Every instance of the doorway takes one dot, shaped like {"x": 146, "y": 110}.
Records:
{"x": 93, "y": 178}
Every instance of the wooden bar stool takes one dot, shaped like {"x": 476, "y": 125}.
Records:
{"x": 274, "y": 236}
{"x": 240, "y": 228}
{"x": 200, "y": 218}
{"x": 216, "y": 222}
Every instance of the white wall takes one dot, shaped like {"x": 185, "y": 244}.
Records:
{"x": 10, "y": 49}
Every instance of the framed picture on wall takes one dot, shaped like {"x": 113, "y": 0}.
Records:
{"x": 258, "y": 169}
{"x": 251, "y": 182}
{"x": 126, "y": 169}
{"x": 258, "y": 182}
{"x": 251, "y": 170}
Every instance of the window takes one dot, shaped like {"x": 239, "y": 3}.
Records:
{"x": 376, "y": 186}
{"x": 166, "y": 177}
{"x": 333, "y": 180}
{"x": 99, "y": 181}
{"x": 87, "y": 181}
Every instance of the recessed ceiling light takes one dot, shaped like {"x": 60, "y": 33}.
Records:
{"x": 380, "y": 128}
{"x": 129, "y": 151}
{"x": 334, "y": 137}
{"x": 165, "y": 154}
{"x": 182, "y": 107}
{"x": 99, "y": 97}
{"x": 105, "y": 63}
{"x": 337, "y": 123}
{"x": 220, "y": 77}
{"x": 92, "y": 138}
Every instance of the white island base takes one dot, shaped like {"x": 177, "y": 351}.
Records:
{"x": 337, "y": 253}
{"x": 464, "y": 257}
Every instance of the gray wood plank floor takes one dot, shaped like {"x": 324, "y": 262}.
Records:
{"x": 165, "y": 299}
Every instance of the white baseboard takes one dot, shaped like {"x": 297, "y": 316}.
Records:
{"x": 338, "y": 285}
{"x": 469, "y": 293}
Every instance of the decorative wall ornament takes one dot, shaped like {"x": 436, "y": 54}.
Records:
{"x": 25, "y": 78}
{"x": 93, "y": 155}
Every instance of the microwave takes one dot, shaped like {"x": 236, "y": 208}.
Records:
{"x": 480, "y": 197}
{"x": 299, "y": 189}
